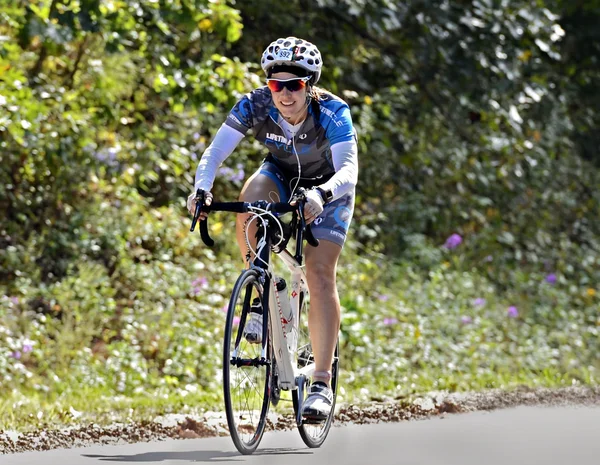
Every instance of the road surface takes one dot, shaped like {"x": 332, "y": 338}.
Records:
{"x": 522, "y": 435}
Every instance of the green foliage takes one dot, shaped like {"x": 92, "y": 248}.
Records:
{"x": 478, "y": 119}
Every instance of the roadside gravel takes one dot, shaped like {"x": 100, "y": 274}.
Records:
{"x": 214, "y": 423}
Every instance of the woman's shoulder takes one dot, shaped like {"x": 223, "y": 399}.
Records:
{"x": 260, "y": 94}
{"x": 329, "y": 100}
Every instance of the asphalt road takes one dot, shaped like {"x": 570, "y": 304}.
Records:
{"x": 523, "y": 435}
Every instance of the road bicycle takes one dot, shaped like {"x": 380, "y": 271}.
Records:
{"x": 255, "y": 374}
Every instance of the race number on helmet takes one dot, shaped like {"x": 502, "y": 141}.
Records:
{"x": 295, "y": 52}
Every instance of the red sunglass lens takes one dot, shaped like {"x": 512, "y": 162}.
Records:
{"x": 293, "y": 85}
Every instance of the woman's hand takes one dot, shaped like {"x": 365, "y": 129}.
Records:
{"x": 191, "y": 204}
{"x": 314, "y": 205}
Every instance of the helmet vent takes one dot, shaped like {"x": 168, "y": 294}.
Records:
{"x": 293, "y": 51}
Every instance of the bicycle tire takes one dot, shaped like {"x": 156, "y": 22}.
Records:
{"x": 313, "y": 434}
{"x": 247, "y": 378}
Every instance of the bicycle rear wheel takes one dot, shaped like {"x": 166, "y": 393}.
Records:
{"x": 246, "y": 375}
{"x": 313, "y": 434}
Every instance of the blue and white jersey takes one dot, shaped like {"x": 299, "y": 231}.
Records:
{"x": 322, "y": 129}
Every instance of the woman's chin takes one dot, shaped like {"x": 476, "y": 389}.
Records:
{"x": 288, "y": 112}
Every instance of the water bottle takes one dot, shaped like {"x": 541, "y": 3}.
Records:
{"x": 283, "y": 301}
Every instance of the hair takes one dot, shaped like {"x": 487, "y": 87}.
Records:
{"x": 317, "y": 93}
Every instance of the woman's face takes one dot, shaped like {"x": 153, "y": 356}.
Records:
{"x": 291, "y": 105}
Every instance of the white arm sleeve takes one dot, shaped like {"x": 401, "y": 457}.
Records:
{"x": 224, "y": 143}
{"x": 345, "y": 163}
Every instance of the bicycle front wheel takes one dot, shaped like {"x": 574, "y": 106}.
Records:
{"x": 246, "y": 374}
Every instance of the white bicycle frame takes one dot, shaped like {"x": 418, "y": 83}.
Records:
{"x": 285, "y": 345}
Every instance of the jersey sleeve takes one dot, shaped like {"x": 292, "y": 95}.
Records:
{"x": 340, "y": 127}
{"x": 241, "y": 116}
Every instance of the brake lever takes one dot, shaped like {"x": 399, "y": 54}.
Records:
{"x": 310, "y": 238}
{"x": 199, "y": 204}
{"x": 200, "y": 196}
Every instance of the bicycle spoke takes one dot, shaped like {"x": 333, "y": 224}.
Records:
{"x": 245, "y": 378}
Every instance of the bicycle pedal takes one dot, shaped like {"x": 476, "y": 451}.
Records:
{"x": 312, "y": 421}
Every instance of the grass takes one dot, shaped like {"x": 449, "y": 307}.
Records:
{"x": 146, "y": 340}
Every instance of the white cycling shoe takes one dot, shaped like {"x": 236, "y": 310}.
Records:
{"x": 318, "y": 403}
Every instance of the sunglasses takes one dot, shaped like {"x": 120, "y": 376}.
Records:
{"x": 293, "y": 85}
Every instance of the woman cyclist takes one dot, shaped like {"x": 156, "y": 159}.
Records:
{"x": 312, "y": 144}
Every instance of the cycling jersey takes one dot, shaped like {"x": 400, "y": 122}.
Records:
{"x": 324, "y": 144}
{"x": 328, "y": 123}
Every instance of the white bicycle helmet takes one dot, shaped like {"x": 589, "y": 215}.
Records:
{"x": 294, "y": 52}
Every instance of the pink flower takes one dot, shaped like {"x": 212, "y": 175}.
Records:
{"x": 390, "y": 321}
{"x": 465, "y": 320}
{"x": 453, "y": 241}
{"x": 383, "y": 297}
{"x": 512, "y": 312}
{"x": 479, "y": 302}
{"x": 198, "y": 284}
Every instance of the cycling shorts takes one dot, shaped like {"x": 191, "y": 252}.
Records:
{"x": 331, "y": 225}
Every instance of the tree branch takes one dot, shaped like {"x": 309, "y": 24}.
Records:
{"x": 80, "y": 53}
{"x": 37, "y": 68}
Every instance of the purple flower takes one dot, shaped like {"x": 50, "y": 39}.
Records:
{"x": 390, "y": 321}
{"x": 465, "y": 320}
{"x": 383, "y": 297}
{"x": 512, "y": 312}
{"x": 479, "y": 302}
{"x": 16, "y": 354}
{"x": 196, "y": 136}
{"x": 14, "y": 300}
{"x": 453, "y": 241}
{"x": 551, "y": 278}
{"x": 27, "y": 348}
{"x": 231, "y": 174}
{"x": 238, "y": 176}
{"x": 200, "y": 282}
{"x": 489, "y": 258}
{"x": 107, "y": 155}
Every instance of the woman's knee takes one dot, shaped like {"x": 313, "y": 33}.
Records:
{"x": 321, "y": 276}
{"x": 259, "y": 187}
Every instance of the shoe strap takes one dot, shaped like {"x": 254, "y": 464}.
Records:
{"x": 322, "y": 391}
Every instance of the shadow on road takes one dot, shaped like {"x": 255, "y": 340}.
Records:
{"x": 192, "y": 456}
